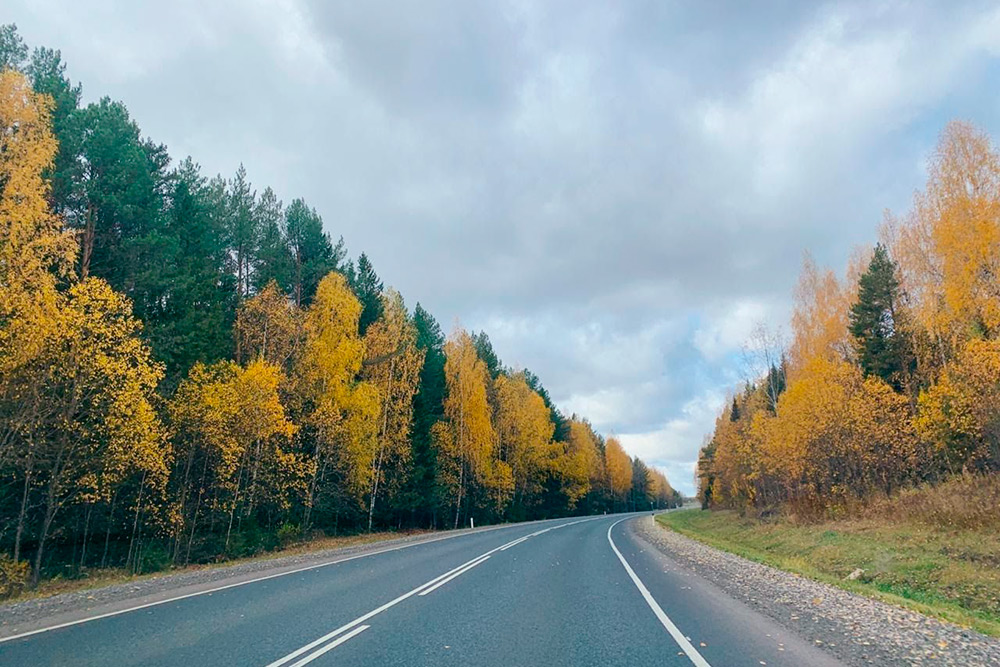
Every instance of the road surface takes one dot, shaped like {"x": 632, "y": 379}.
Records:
{"x": 561, "y": 592}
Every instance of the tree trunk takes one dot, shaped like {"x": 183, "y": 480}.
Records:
{"x": 24, "y": 509}
{"x": 87, "y": 243}
{"x": 135, "y": 523}
{"x": 461, "y": 488}
{"x": 107, "y": 534}
{"x": 51, "y": 507}
{"x": 86, "y": 529}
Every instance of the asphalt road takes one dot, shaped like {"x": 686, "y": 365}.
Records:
{"x": 563, "y": 592}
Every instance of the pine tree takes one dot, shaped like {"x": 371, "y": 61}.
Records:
{"x": 368, "y": 288}
{"x": 484, "y": 348}
{"x": 273, "y": 260}
{"x": 880, "y": 345}
{"x": 428, "y": 409}
{"x": 192, "y": 320}
{"x": 312, "y": 254}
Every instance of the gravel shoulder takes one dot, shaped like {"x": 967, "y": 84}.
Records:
{"x": 30, "y": 614}
{"x": 855, "y": 629}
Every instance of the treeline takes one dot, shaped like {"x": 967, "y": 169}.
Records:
{"x": 892, "y": 376}
{"x": 191, "y": 370}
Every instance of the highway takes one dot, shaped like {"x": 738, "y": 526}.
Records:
{"x": 562, "y": 592}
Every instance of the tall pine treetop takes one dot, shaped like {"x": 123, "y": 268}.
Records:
{"x": 880, "y": 348}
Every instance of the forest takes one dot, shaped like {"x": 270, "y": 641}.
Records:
{"x": 891, "y": 378}
{"x": 192, "y": 370}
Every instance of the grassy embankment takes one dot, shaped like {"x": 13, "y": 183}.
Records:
{"x": 935, "y": 550}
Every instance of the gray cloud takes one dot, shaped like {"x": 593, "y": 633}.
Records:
{"x": 616, "y": 191}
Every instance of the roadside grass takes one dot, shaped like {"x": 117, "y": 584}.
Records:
{"x": 98, "y": 578}
{"x": 948, "y": 572}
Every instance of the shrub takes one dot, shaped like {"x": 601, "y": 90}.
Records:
{"x": 13, "y": 576}
{"x": 288, "y": 534}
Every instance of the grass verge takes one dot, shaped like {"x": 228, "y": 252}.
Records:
{"x": 953, "y": 574}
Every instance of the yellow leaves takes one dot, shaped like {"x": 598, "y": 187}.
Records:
{"x": 819, "y": 319}
{"x": 525, "y": 430}
{"x": 341, "y": 413}
{"x": 957, "y": 416}
{"x": 950, "y": 245}
{"x": 392, "y": 365}
{"x": 231, "y": 418}
{"x": 226, "y": 409}
{"x": 268, "y": 326}
{"x": 466, "y": 406}
{"x": 619, "y": 467}
{"x": 333, "y": 352}
{"x": 580, "y": 465}
{"x": 33, "y": 248}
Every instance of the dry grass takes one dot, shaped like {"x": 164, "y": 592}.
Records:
{"x": 933, "y": 549}
{"x": 967, "y": 502}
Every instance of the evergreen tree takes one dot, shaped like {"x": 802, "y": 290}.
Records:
{"x": 734, "y": 412}
{"x": 273, "y": 259}
{"x": 242, "y": 229}
{"x": 113, "y": 193}
{"x": 48, "y": 75}
{"x": 13, "y": 50}
{"x": 368, "y": 288}
{"x": 312, "y": 254}
{"x": 640, "y": 485}
{"x": 484, "y": 348}
{"x": 880, "y": 345}
{"x": 195, "y": 314}
{"x": 428, "y": 409}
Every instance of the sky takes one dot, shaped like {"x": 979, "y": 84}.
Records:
{"x": 619, "y": 193}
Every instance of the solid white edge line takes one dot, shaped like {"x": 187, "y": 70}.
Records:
{"x": 208, "y": 591}
{"x": 332, "y": 645}
{"x": 457, "y": 574}
{"x": 678, "y": 636}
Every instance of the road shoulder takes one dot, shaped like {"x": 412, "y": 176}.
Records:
{"x": 855, "y": 629}
{"x": 27, "y": 615}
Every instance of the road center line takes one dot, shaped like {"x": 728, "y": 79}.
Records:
{"x": 361, "y": 619}
{"x": 433, "y": 583}
{"x": 216, "y": 589}
{"x": 678, "y": 636}
{"x": 444, "y": 581}
{"x": 332, "y": 645}
{"x": 514, "y": 543}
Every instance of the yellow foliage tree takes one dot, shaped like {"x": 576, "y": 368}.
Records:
{"x": 339, "y": 413}
{"x": 269, "y": 327}
{"x": 580, "y": 465}
{"x": 392, "y": 365}
{"x": 819, "y": 319}
{"x": 231, "y": 429}
{"x": 75, "y": 377}
{"x": 959, "y": 417}
{"x": 35, "y": 252}
{"x": 93, "y": 426}
{"x": 524, "y": 428}
{"x": 619, "y": 468}
{"x": 469, "y": 449}
{"x": 949, "y": 247}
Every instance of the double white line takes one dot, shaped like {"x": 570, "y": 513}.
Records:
{"x": 355, "y": 627}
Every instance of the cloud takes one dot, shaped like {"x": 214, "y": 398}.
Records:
{"x": 616, "y": 192}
